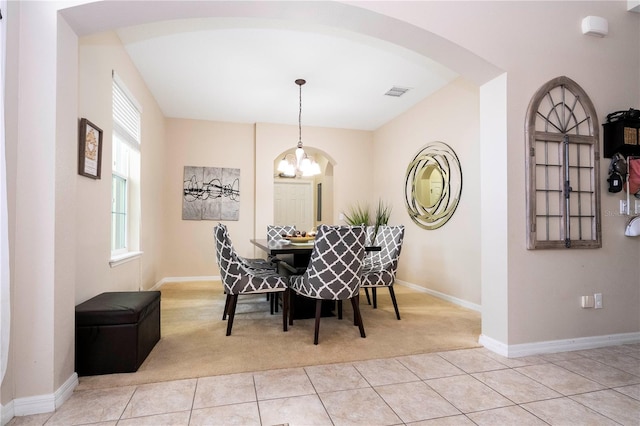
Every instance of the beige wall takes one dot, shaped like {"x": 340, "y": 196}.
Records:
{"x": 447, "y": 259}
{"x": 188, "y": 244}
{"x": 65, "y": 205}
{"x": 534, "y": 42}
{"x": 31, "y": 118}
{"x": 528, "y": 296}
{"x": 98, "y": 56}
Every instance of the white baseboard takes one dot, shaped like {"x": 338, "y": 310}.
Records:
{"x": 6, "y": 413}
{"x": 553, "y": 346}
{"x": 535, "y": 348}
{"x": 183, "y": 279}
{"x": 454, "y": 300}
{"x": 41, "y": 403}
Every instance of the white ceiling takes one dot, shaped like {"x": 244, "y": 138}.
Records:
{"x": 244, "y": 70}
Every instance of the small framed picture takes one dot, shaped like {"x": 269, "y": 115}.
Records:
{"x": 89, "y": 149}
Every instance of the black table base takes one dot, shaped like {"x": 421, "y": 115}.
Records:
{"x": 305, "y": 307}
{"x": 301, "y": 306}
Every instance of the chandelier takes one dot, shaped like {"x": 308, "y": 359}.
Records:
{"x": 299, "y": 164}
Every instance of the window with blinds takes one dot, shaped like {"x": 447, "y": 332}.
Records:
{"x": 563, "y": 191}
{"x": 125, "y": 188}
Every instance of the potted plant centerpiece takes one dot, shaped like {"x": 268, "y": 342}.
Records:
{"x": 359, "y": 215}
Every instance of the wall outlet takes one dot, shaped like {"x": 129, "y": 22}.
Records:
{"x": 341, "y": 217}
{"x": 586, "y": 301}
{"x": 597, "y": 298}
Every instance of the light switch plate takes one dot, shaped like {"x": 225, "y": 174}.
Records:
{"x": 586, "y": 301}
{"x": 597, "y": 300}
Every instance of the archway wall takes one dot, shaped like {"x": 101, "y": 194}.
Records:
{"x": 531, "y": 43}
{"x": 535, "y": 295}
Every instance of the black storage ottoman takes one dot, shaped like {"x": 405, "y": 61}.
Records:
{"x": 115, "y": 331}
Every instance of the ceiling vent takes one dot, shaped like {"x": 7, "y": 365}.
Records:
{"x": 397, "y": 91}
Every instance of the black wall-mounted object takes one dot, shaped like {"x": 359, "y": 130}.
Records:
{"x": 622, "y": 133}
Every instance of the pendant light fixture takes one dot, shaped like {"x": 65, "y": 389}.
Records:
{"x": 299, "y": 164}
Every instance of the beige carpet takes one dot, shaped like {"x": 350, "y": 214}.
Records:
{"x": 194, "y": 344}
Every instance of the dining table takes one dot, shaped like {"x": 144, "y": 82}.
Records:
{"x": 301, "y": 251}
{"x": 304, "y": 308}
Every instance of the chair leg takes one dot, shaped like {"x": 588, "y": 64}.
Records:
{"x": 232, "y": 312}
{"x": 285, "y": 308}
{"x": 317, "y": 328}
{"x": 356, "y": 312}
{"x": 393, "y": 299}
{"x": 291, "y": 298}
{"x": 366, "y": 292}
{"x": 274, "y": 299}
{"x": 355, "y": 317}
{"x": 374, "y": 293}
{"x": 226, "y": 307}
{"x": 339, "y": 309}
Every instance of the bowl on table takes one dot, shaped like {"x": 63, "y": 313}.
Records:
{"x": 299, "y": 239}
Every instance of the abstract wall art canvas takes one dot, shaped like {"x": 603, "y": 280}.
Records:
{"x": 211, "y": 193}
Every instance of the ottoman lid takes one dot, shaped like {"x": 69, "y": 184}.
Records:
{"x": 112, "y": 308}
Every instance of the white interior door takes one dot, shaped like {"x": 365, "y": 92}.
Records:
{"x": 293, "y": 204}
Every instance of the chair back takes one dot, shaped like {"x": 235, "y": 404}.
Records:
{"x": 230, "y": 269}
{"x": 237, "y": 279}
{"x": 390, "y": 239}
{"x": 274, "y": 232}
{"x": 370, "y": 237}
{"x": 336, "y": 263}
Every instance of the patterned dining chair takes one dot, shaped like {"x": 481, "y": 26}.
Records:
{"x": 371, "y": 257}
{"x": 275, "y": 233}
{"x": 252, "y": 265}
{"x": 239, "y": 280}
{"x": 334, "y": 271}
{"x": 257, "y": 265}
{"x": 380, "y": 267}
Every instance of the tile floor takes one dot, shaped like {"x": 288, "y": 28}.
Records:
{"x": 463, "y": 387}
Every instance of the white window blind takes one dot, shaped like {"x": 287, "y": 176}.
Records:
{"x": 126, "y": 114}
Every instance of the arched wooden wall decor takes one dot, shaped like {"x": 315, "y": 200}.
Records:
{"x": 562, "y": 168}
{"x": 433, "y": 185}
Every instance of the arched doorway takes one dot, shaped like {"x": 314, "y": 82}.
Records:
{"x": 304, "y": 202}
{"x": 101, "y": 16}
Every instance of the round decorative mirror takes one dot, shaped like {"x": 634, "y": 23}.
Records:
{"x": 428, "y": 186}
{"x": 433, "y": 185}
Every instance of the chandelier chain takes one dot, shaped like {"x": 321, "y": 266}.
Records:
{"x": 300, "y": 83}
{"x": 299, "y": 164}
